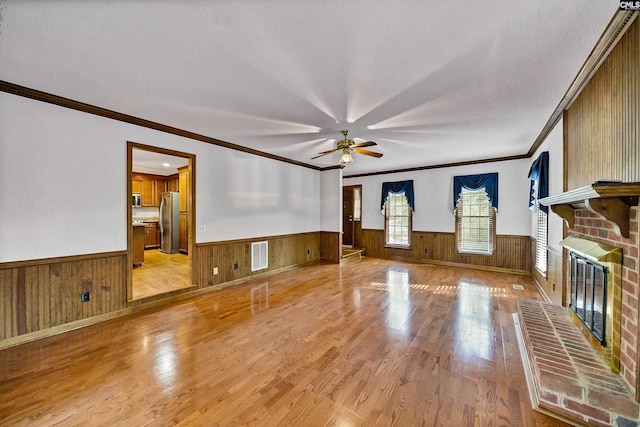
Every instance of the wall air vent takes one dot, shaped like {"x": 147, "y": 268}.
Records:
{"x": 259, "y": 255}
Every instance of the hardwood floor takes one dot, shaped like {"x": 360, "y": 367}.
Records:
{"x": 365, "y": 343}
{"x": 161, "y": 273}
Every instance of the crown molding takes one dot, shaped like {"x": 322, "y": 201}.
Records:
{"x": 60, "y": 101}
{"x": 442, "y": 165}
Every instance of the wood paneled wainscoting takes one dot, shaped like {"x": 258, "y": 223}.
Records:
{"x": 39, "y": 298}
{"x": 233, "y": 257}
{"x": 552, "y": 284}
{"x": 330, "y": 246}
{"x": 42, "y": 294}
{"x": 513, "y": 253}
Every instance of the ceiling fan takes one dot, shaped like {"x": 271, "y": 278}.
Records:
{"x": 348, "y": 146}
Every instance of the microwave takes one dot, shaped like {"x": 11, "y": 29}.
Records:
{"x": 135, "y": 200}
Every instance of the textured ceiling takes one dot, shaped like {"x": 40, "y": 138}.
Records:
{"x": 431, "y": 82}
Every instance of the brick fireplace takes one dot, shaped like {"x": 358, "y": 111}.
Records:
{"x": 623, "y": 290}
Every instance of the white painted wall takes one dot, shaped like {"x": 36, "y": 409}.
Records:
{"x": 63, "y": 183}
{"x": 434, "y": 196}
{"x": 553, "y": 144}
{"x": 332, "y": 200}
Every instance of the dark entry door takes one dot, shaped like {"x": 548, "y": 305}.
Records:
{"x": 347, "y": 216}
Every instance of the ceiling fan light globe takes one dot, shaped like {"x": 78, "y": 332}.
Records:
{"x": 346, "y": 158}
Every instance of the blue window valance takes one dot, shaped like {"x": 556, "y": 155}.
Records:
{"x": 488, "y": 181}
{"x": 398, "y": 187}
{"x": 539, "y": 173}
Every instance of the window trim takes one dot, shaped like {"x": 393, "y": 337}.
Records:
{"x": 493, "y": 234}
{"x": 386, "y": 223}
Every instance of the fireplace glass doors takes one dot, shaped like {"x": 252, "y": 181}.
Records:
{"x": 589, "y": 294}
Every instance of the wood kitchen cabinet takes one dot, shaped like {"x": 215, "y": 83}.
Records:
{"x": 183, "y": 181}
{"x": 185, "y": 202}
{"x": 136, "y": 185}
{"x": 173, "y": 183}
{"x": 137, "y": 244}
{"x": 184, "y": 232}
{"x": 148, "y": 192}
{"x": 160, "y": 187}
{"x": 150, "y": 188}
{"x": 151, "y": 239}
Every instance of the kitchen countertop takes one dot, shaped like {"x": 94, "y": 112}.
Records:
{"x": 142, "y": 219}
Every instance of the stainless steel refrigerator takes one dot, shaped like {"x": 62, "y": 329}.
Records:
{"x": 170, "y": 223}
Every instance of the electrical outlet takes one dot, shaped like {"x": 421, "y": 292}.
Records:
{"x": 202, "y": 228}
{"x": 215, "y": 270}
{"x": 554, "y": 286}
{"x": 235, "y": 266}
{"x": 308, "y": 251}
{"x": 426, "y": 251}
{"x": 85, "y": 297}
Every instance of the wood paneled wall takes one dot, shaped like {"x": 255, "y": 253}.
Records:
{"x": 602, "y": 126}
{"x": 46, "y": 293}
{"x": 513, "y": 253}
{"x": 284, "y": 251}
{"x": 40, "y": 297}
{"x": 330, "y": 246}
{"x": 43, "y": 294}
{"x": 551, "y": 284}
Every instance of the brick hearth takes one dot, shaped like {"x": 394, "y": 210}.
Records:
{"x": 569, "y": 378}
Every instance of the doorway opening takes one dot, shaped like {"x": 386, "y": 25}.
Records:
{"x": 351, "y": 216}
{"x": 160, "y": 184}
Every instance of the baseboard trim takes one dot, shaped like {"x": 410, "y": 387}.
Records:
{"x": 541, "y": 290}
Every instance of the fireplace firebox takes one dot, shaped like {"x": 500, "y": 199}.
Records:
{"x": 588, "y": 297}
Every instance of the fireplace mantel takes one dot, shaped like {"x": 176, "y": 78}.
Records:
{"x": 609, "y": 200}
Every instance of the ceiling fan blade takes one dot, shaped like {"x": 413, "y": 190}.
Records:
{"x": 365, "y": 144}
{"x": 324, "y": 153}
{"x": 367, "y": 152}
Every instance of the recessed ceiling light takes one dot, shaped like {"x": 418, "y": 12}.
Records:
{"x": 166, "y": 165}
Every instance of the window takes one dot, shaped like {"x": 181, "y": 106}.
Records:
{"x": 357, "y": 204}
{"x": 539, "y": 189}
{"x": 475, "y": 222}
{"x": 397, "y": 205}
{"x": 397, "y": 222}
{"x": 541, "y": 241}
